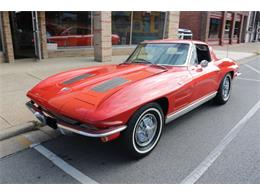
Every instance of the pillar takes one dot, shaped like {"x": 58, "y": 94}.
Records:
{"x": 223, "y": 24}
{"x": 233, "y": 27}
{"x": 102, "y": 36}
{"x": 42, "y": 34}
{"x": 241, "y": 29}
{"x": 7, "y": 38}
{"x": 172, "y": 24}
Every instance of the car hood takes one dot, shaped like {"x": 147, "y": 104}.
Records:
{"x": 88, "y": 86}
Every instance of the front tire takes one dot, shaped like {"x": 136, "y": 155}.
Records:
{"x": 224, "y": 90}
{"x": 144, "y": 130}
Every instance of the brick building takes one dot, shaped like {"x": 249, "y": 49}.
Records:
{"x": 44, "y": 35}
{"x": 217, "y": 27}
{"x": 253, "y": 27}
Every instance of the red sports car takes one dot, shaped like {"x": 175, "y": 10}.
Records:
{"x": 160, "y": 81}
{"x": 77, "y": 36}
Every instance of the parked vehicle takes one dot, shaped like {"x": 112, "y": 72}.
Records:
{"x": 184, "y": 33}
{"x": 160, "y": 81}
{"x": 76, "y": 36}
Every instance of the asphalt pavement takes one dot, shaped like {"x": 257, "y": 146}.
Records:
{"x": 226, "y": 137}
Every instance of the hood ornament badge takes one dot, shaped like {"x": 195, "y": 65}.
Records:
{"x": 65, "y": 89}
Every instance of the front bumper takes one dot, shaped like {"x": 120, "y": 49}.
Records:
{"x": 55, "y": 123}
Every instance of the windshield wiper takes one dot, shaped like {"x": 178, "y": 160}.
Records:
{"x": 141, "y": 60}
{"x": 160, "y": 66}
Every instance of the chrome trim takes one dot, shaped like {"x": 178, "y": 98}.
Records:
{"x": 187, "y": 63}
{"x": 62, "y": 128}
{"x": 195, "y": 104}
{"x": 109, "y": 131}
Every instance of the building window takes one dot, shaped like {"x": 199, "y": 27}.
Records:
{"x": 214, "y": 28}
{"x": 69, "y": 29}
{"x": 135, "y": 27}
{"x": 237, "y": 29}
{"x": 147, "y": 26}
{"x": 121, "y": 27}
{"x": 227, "y": 33}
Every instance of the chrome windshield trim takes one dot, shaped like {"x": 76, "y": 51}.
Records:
{"x": 172, "y": 116}
{"x": 104, "y": 133}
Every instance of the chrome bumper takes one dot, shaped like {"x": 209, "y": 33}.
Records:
{"x": 99, "y": 133}
{"x": 43, "y": 118}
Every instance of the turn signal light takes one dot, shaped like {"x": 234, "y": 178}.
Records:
{"x": 110, "y": 137}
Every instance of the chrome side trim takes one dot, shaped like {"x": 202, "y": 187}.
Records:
{"x": 195, "y": 104}
{"x": 104, "y": 133}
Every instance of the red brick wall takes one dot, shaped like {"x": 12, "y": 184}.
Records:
{"x": 191, "y": 20}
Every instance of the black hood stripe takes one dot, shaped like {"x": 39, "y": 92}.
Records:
{"x": 77, "y": 78}
{"x": 112, "y": 83}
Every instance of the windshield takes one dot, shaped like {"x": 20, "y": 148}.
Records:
{"x": 160, "y": 53}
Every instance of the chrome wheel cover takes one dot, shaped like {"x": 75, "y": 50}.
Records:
{"x": 153, "y": 121}
{"x": 146, "y": 129}
{"x": 226, "y": 88}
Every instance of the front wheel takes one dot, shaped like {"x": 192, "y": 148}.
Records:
{"x": 144, "y": 130}
{"x": 224, "y": 90}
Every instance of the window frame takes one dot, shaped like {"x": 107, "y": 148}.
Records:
{"x": 132, "y": 26}
{"x": 194, "y": 48}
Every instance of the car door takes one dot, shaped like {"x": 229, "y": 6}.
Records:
{"x": 73, "y": 37}
{"x": 60, "y": 40}
{"x": 86, "y": 37}
{"x": 204, "y": 78}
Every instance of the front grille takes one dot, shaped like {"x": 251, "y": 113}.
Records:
{"x": 62, "y": 119}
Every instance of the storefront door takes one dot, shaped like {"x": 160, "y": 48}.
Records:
{"x": 24, "y": 27}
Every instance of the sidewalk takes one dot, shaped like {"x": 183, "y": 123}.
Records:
{"x": 17, "y": 78}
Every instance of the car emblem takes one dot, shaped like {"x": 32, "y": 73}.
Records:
{"x": 65, "y": 89}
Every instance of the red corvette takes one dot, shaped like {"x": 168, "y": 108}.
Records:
{"x": 160, "y": 81}
{"x": 77, "y": 36}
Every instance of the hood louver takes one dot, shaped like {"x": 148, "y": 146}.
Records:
{"x": 77, "y": 78}
{"x": 110, "y": 84}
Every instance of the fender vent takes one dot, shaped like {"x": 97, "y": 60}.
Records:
{"x": 77, "y": 78}
{"x": 112, "y": 83}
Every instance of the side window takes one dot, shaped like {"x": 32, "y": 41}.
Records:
{"x": 194, "y": 57}
{"x": 203, "y": 52}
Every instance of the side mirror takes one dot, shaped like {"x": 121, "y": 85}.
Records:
{"x": 204, "y": 63}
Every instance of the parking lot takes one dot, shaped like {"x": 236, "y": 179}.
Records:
{"x": 211, "y": 144}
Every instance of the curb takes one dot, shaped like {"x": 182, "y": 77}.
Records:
{"x": 17, "y": 130}
{"x": 246, "y": 59}
{"x": 25, "y": 140}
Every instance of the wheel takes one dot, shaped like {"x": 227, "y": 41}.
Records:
{"x": 224, "y": 90}
{"x": 144, "y": 130}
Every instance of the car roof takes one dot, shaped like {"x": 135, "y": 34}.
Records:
{"x": 175, "y": 41}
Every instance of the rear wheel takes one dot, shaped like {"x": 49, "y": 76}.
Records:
{"x": 144, "y": 130}
{"x": 224, "y": 90}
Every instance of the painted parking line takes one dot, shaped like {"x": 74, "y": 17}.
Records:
{"x": 246, "y": 79}
{"x": 210, "y": 159}
{"x": 252, "y": 68}
{"x": 67, "y": 168}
